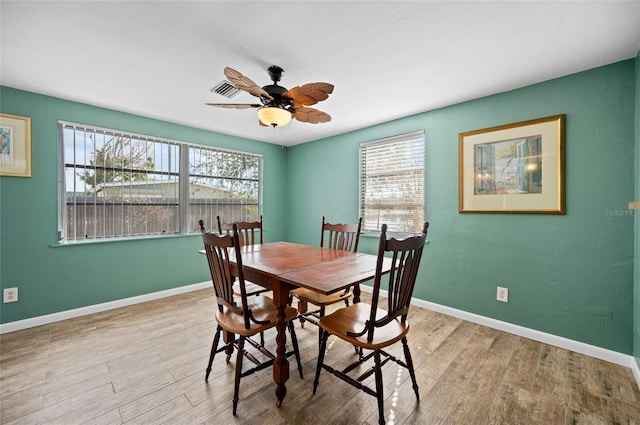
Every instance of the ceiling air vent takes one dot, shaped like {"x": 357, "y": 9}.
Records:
{"x": 225, "y": 89}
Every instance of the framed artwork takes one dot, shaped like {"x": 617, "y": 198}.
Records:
{"x": 514, "y": 168}
{"x": 15, "y": 146}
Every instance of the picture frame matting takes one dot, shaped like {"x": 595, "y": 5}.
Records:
{"x": 15, "y": 145}
{"x": 514, "y": 168}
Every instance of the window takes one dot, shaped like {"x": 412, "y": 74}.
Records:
{"x": 392, "y": 183}
{"x": 119, "y": 185}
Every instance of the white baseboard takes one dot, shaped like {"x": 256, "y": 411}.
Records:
{"x": 557, "y": 341}
{"x": 636, "y": 371}
{"x": 97, "y": 308}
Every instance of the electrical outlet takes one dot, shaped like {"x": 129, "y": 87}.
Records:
{"x": 503, "y": 294}
{"x": 10, "y": 295}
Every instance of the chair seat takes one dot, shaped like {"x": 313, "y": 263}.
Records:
{"x": 251, "y": 288}
{"x": 304, "y": 294}
{"x": 262, "y": 308}
{"x": 353, "y": 318}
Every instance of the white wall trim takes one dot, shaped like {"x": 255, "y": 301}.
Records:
{"x": 636, "y": 371}
{"x": 97, "y": 308}
{"x": 557, "y": 341}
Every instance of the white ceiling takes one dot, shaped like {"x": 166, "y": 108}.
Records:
{"x": 386, "y": 59}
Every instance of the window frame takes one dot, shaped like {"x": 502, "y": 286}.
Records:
{"x": 394, "y": 226}
{"x": 184, "y": 174}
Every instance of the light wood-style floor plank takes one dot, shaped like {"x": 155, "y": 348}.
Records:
{"x": 144, "y": 364}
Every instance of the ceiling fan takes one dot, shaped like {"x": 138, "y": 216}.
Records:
{"x": 278, "y": 105}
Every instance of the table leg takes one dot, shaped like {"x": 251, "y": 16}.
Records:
{"x": 281, "y": 364}
{"x": 356, "y": 294}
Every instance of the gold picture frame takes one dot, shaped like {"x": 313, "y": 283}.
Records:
{"x": 15, "y": 146}
{"x": 514, "y": 168}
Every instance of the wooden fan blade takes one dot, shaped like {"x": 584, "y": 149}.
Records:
{"x": 245, "y": 83}
{"x": 309, "y": 94}
{"x": 311, "y": 115}
{"x": 235, "y": 105}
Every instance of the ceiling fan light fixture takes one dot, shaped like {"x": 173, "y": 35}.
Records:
{"x": 278, "y": 105}
{"x": 274, "y": 116}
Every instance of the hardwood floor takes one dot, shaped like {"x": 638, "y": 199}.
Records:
{"x": 145, "y": 364}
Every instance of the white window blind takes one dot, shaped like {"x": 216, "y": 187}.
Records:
{"x": 120, "y": 185}
{"x": 392, "y": 183}
{"x": 236, "y": 179}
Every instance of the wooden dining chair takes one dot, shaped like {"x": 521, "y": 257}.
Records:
{"x": 249, "y": 233}
{"x": 337, "y": 236}
{"x": 371, "y": 327}
{"x": 246, "y": 317}
{"x": 243, "y": 235}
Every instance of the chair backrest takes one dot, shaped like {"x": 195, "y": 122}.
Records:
{"x": 249, "y": 233}
{"x": 406, "y": 255}
{"x": 222, "y": 250}
{"x": 341, "y": 236}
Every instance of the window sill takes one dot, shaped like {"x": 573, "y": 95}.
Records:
{"x": 117, "y": 240}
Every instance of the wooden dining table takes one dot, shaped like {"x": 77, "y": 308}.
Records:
{"x": 282, "y": 266}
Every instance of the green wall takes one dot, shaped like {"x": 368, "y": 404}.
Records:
{"x": 636, "y": 293}
{"x": 53, "y": 279}
{"x": 569, "y": 275}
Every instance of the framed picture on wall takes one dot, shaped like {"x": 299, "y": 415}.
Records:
{"x": 514, "y": 168}
{"x": 15, "y": 146}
